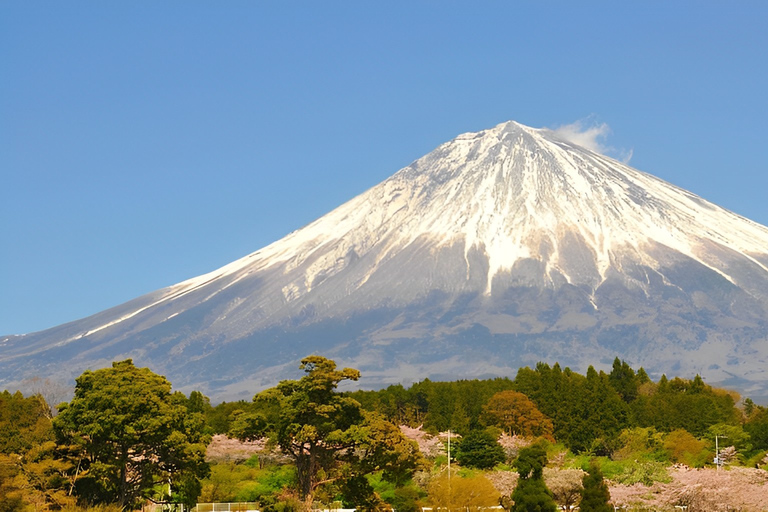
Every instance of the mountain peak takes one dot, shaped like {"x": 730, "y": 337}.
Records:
{"x": 500, "y": 247}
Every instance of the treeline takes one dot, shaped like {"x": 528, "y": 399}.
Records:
{"x": 125, "y": 434}
{"x": 588, "y": 412}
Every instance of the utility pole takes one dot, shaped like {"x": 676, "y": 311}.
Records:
{"x": 717, "y": 461}
{"x": 449, "y": 457}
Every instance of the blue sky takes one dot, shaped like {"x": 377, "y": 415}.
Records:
{"x": 144, "y": 143}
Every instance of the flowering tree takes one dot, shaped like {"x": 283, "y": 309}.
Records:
{"x": 430, "y": 446}
{"x": 565, "y": 484}
{"x": 699, "y": 490}
{"x": 512, "y": 444}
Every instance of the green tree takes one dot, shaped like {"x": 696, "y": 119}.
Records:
{"x": 623, "y": 379}
{"x": 595, "y": 495}
{"x": 757, "y": 428}
{"x": 479, "y": 449}
{"x": 681, "y": 446}
{"x": 531, "y": 493}
{"x": 31, "y": 472}
{"x": 327, "y": 434}
{"x": 133, "y": 435}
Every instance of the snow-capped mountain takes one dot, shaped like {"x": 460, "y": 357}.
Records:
{"x": 498, "y": 249}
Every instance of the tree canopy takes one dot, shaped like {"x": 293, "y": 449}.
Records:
{"x": 327, "y": 434}
{"x": 531, "y": 493}
{"x": 479, "y": 449}
{"x": 514, "y": 412}
{"x": 130, "y": 434}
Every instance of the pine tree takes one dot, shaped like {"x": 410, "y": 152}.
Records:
{"x": 531, "y": 493}
{"x": 595, "y": 495}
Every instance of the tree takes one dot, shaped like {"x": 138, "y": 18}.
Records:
{"x": 531, "y": 493}
{"x": 681, "y": 446}
{"x": 132, "y": 435}
{"x": 565, "y": 484}
{"x": 479, "y": 449}
{"x": 623, "y": 379}
{"x": 327, "y": 434}
{"x": 517, "y": 414}
{"x": 30, "y": 470}
{"x": 595, "y": 495}
{"x": 757, "y": 428}
{"x": 456, "y": 493}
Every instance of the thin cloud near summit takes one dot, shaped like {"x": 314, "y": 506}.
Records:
{"x": 591, "y": 135}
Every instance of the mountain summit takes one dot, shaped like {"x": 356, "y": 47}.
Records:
{"x": 498, "y": 249}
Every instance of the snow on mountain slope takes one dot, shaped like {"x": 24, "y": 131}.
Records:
{"x": 514, "y": 192}
{"x": 447, "y": 246}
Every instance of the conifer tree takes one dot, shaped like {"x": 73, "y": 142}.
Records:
{"x": 531, "y": 493}
{"x": 479, "y": 449}
{"x": 595, "y": 495}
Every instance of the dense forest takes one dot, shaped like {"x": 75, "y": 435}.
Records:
{"x": 548, "y": 438}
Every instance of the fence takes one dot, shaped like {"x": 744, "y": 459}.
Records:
{"x": 240, "y": 506}
{"x": 163, "y": 507}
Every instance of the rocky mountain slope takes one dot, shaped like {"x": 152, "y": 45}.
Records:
{"x": 498, "y": 249}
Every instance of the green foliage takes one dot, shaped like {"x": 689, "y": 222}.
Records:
{"x": 219, "y": 418}
{"x": 456, "y": 493}
{"x": 132, "y": 435}
{"x": 681, "y": 446}
{"x": 439, "y": 406}
{"x": 685, "y": 404}
{"x": 731, "y": 435}
{"x": 645, "y": 472}
{"x": 31, "y": 469}
{"x": 406, "y": 499}
{"x": 531, "y": 493}
{"x": 530, "y": 461}
{"x": 327, "y": 434}
{"x": 757, "y": 427}
{"x": 479, "y": 449}
{"x": 595, "y": 495}
{"x": 587, "y": 413}
{"x": 339, "y": 440}
{"x": 246, "y": 482}
{"x": 24, "y": 422}
{"x": 403, "y": 498}
{"x": 265, "y": 484}
{"x": 641, "y": 443}
{"x": 623, "y": 379}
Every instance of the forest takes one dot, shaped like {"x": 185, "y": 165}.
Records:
{"x": 547, "y": 439}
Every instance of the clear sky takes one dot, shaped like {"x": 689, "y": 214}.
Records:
{"x": 144, "y": 143}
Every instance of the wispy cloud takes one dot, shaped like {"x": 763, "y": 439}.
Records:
{"x": 590, "y": 134}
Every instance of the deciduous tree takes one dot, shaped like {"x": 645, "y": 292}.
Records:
{"x": 565, "y": 484}
{"x": 456, "y": 493}
{"x": 517, "y": 415}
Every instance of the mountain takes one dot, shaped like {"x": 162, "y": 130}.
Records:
{"x": 498, "y": 249}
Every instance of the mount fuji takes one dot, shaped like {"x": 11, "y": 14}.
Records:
{"x": 497, "y": 250}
